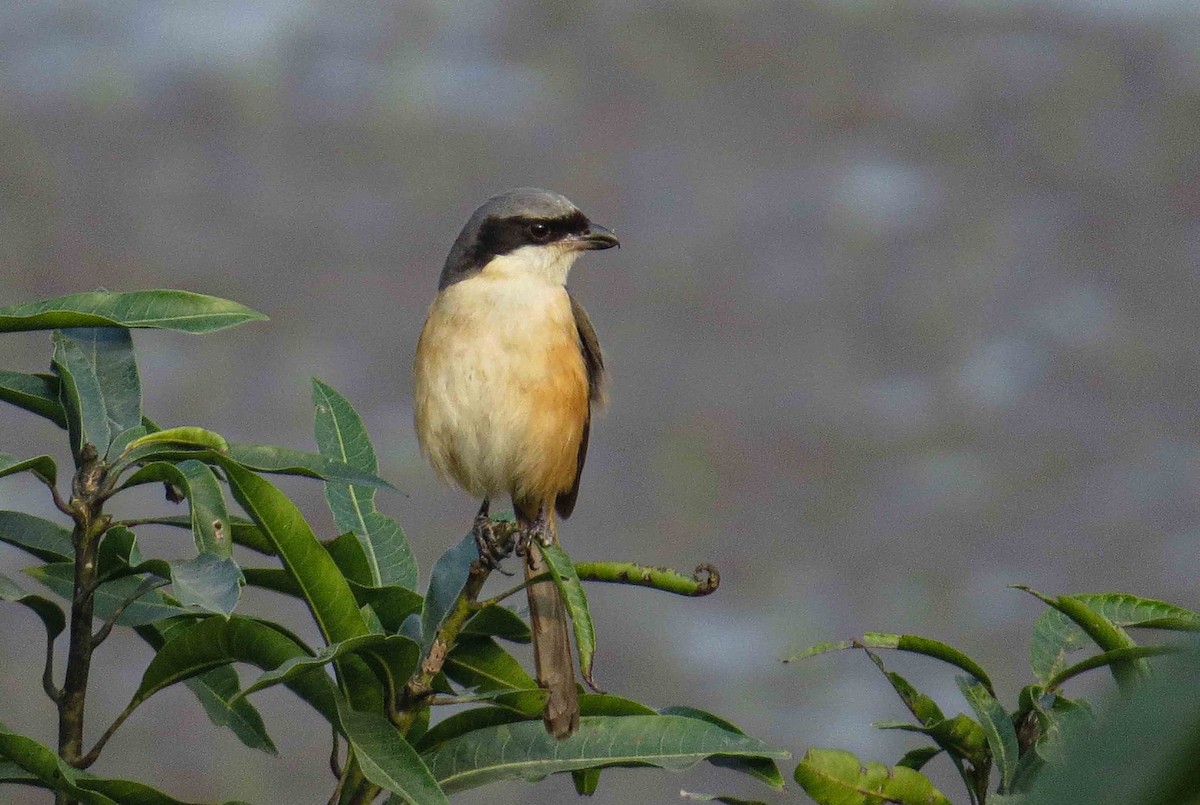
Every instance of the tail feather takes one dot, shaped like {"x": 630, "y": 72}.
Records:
{"x": 554, "y": 664}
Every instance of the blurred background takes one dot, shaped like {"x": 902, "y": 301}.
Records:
{"x": 905, "y": 313}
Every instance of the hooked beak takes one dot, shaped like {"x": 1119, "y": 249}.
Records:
{"x": 596, "y": 237}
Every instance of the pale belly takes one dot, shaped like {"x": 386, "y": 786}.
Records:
{"x": 500, "y": 389}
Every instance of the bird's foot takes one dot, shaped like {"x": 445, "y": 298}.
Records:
{"x": 538, "y": 531}
{"x": 492, "y": 550}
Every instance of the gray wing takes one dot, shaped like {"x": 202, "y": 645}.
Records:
{"x": 593, "y": 361}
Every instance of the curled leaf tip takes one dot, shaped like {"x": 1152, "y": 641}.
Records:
{"x": 707, "y": 578}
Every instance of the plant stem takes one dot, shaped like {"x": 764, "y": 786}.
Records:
{"x": 85, "y": 507}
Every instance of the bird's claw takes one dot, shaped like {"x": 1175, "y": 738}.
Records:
{"x": 491, "y": 551}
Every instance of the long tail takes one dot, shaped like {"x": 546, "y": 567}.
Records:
{"x": 552, "y": 647}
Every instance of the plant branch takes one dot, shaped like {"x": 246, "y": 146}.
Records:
{"x": 48, "y": 673}
{"x": 90, "y": 757}
{"x": 143, "y": 588}
{"x": 704, "y": 578}
{"x": 419, "y": 687}
{"x": 86, "y": 505}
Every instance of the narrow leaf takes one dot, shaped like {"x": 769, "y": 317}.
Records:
{"x": 148, "y": 605}
{"x": 41, "y": 466}
{"x": 50, "y": 613}
{"x": 498, "y": 621}
{"x": 48, "y": 768}
{"x": 167, "y": 310}
{"x": 341, "y": 436}
{"x": 1108, "y": 658}
{"x": 324, "y": 588}
{"x": 762, "y": 769}
{"x": 284, "y": 461}
{"x": 571, "y": 590}
{"x": 209, "y": 515}
{"x": 217, "y": 691}
{"x": 35, "y": 393}
{"x": 1055, "y": 635}
{"x": 215, "y": 642}
{"x": 478, "y": 663}
{"x": 295, "y": 666}
{"x": 187, "y": 436}
{"x": 836, "y": 777}
{"x": 100, "y": 390}
{"x": 997, "y": 727}
{"x": 1106, "y": 634}
{"x": 930, "y": 648}
{"x": 916, "y": 759}
{"x": 387, "y": 759}
{"x": 207, "y": 582}
{"x": 47, "y": 541}
{"x": 446, "y": 582}
{"x": 524, "y": 750}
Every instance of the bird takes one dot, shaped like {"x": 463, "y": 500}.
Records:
{"x": 507, "y": 374}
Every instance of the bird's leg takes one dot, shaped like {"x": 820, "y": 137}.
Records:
{"x": 538, "y": 530}
{"x": 490, "y": 551}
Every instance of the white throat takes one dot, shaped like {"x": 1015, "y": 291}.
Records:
{"x": 547, "y": 264}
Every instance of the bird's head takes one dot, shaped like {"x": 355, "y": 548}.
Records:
{"x": 528, "y": 232}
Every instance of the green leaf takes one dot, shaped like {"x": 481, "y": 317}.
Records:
{"x": 186, "y": 436}
{"x": 244, "y": 532}
{"x": 348, "y": 554}
{"x": 961, "y": 736}
{"x": 763, "y": 769}
{"x": 50, "y": 613}
{"x": 47, "y": 541}
{"x": 48, "y": 768}
{"x": 997, "y": 727}
{"x": 524, "y": 750}
{"x": 571, "y": 590}
{"x": 284, "y": 461}
{"x": 165, "y": 310}
{"x": 930, "y": 648}
{"x": 478, "y": 663}
{"x": 446, "y": 582}
{"x": 148, "y": 605}
{"x": 392, "y": 604}
{"x": 209, "y": 515}
{"x": 1107, "y": 658}
{"x": 324, "y": 588}
{"x": 836, "y": 777}
{"x": 916, "y": 759}
{"x": 1106, "y": 634}
{"x": 35, "y": 393}
{"x": 903, "y": 642}
{"x": 586, "y": 781}
{"x": 921, "y": 706}
{"x": 218, "y": 692}
{"x": 498, "y": 621}
{"x": 215, "y": 642}
{"x": 387, "y": 759}
{"x": 100, "y": 390}
{"x": 41, "y": 466}
{"x": 341, "y": 436}
{"x": 1142, "y": 751}
{"x": 407, "y": 653}
{"x": 1055, "y": 635}
{"x": 725, "y": 799}
{"x": 207, "y": 582}
{"x": 467, "y": 721}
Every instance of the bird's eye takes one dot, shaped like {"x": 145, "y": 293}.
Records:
{"x": 539, "y": 231}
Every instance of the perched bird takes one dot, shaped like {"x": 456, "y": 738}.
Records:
{"x": 506, "y": 374}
